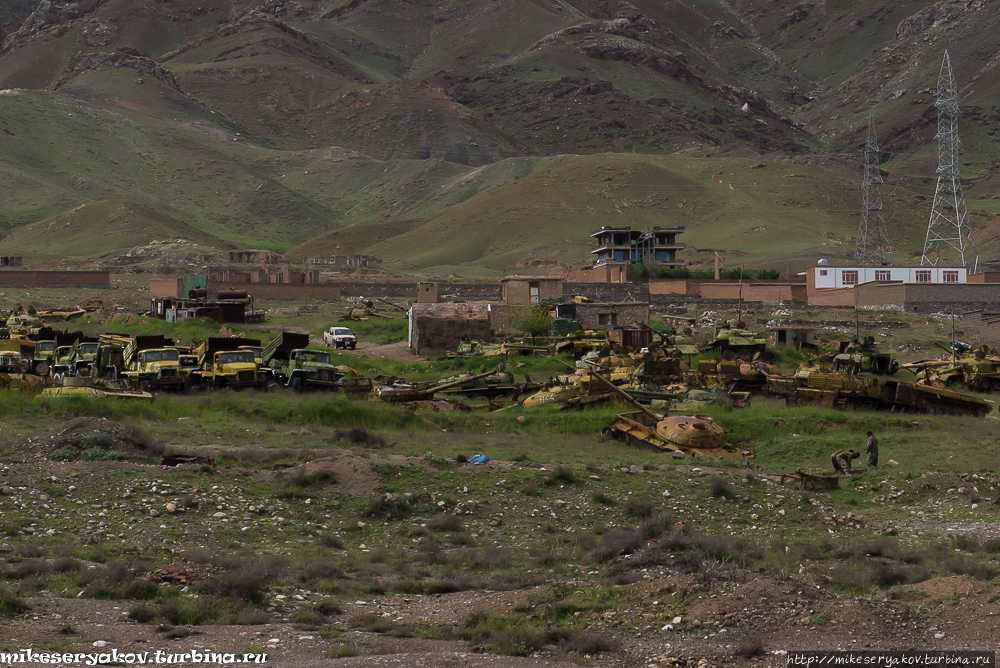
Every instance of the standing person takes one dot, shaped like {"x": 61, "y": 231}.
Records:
{"x": 871, "y": 450}
{"x": 841, "y": 461}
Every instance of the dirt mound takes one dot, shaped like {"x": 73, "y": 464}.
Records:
{"x": 943, "y": 588}
{"x": 351, "y": 474}
{"x": 80, "y": 432}
{"x": 954, "y": 486}
{"x": 359, "y": 436}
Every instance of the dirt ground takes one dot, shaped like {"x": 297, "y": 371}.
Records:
{"x": 762, "y": 606}
{"x": 787, "y": 612}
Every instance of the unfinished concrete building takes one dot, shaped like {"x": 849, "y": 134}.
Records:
{"x": 623, "y": 246}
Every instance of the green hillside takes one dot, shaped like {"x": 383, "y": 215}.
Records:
{"x": 474, "y": 136}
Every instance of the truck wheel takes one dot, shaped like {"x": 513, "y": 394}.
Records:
{"x": 297, "y": 384}
{"x": 144, "y": 385}
{"x": 353, "y": 346}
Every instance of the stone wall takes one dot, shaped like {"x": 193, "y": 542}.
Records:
{"x": 608, "y": 292}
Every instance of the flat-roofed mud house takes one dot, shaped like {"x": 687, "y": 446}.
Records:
{"x": 530, "y": 289}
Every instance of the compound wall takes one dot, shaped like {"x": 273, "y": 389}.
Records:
{"x": 55, "y": 279}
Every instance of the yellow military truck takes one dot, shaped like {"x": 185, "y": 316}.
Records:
{"x": 152, "y": 363}
{"x": 83, "y": 356}
{"x": 222, "y": 364}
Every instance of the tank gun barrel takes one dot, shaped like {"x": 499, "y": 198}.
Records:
{"x": 947, "y": 350}
{"x": 456, "y": 383}
{"x": 627, "y": 397}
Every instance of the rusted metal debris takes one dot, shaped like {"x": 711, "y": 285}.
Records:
{"x": 684, "y": 434}
{"x": 177, "y": 460}
{"x": 804, "y": 480}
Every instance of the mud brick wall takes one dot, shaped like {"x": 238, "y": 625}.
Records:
{"x": 755, "y": 292}
{"x": 676, "y": 286}
{"x": 262, "y": 292}
{"x": 55, "y": 279}
{"x": 605, "y": 274}
{"x": 928, "y": 298}
{"x": 983, "y": 326}
{"x": 627, "y": 314}
{"x": 165, "y": 287}
{"x": 442, "y": 326}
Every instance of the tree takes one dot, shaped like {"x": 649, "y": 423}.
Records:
{"x": 533, "y": 320}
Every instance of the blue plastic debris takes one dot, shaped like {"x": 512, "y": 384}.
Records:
{"x": 479, "y": 459}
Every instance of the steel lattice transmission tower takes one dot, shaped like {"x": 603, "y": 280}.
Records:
{"x": 873, "y": 239}
{"x": 949, "y": 235}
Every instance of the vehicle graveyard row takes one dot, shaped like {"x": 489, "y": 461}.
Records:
{"x": 669, "y": 391}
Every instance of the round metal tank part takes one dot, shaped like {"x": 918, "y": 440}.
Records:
{"x": 692, "y": 431}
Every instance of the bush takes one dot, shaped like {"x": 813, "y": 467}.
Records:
{"x": 720, "y": 489}
{"x": 445, "y": 523}
{"x": 533, "y": 320}
{"x": 11, "y": 603}
{"x": 615, "y": 543}
{"x": 639, "y": 507}
{"x": 390, "y": 509}
{"x": 602, "y": 498}
{"x": 143, "y": 613}
{"x": 245, "y": 584}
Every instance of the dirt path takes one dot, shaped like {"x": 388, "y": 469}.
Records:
{"x": 398, "y": 351}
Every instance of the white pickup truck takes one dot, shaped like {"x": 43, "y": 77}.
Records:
{"x": 340, "y": 337}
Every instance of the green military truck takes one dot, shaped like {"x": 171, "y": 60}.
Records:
{"x": 292, "y": 365}
{"x": 222, "y": 364}
{"x": 151, "y": 363}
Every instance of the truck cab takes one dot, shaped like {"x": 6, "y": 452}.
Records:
{"x": 84, "y": 356}
{"x": 258, "y": 353}
{"x": 310, "y": 368}
{"x": 158, "y": 367}
{"x": 235, "y": 368}
{"x": 62, "y": 360}
{"x": 188, "y": 362}
{"x": 222, "y": 363}
{"x": 11, "y": 362}
{"x": 295, "y": 366}
{"x": 44, "y": 350}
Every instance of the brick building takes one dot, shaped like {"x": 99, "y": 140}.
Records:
{"x": 530, "y": 289}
